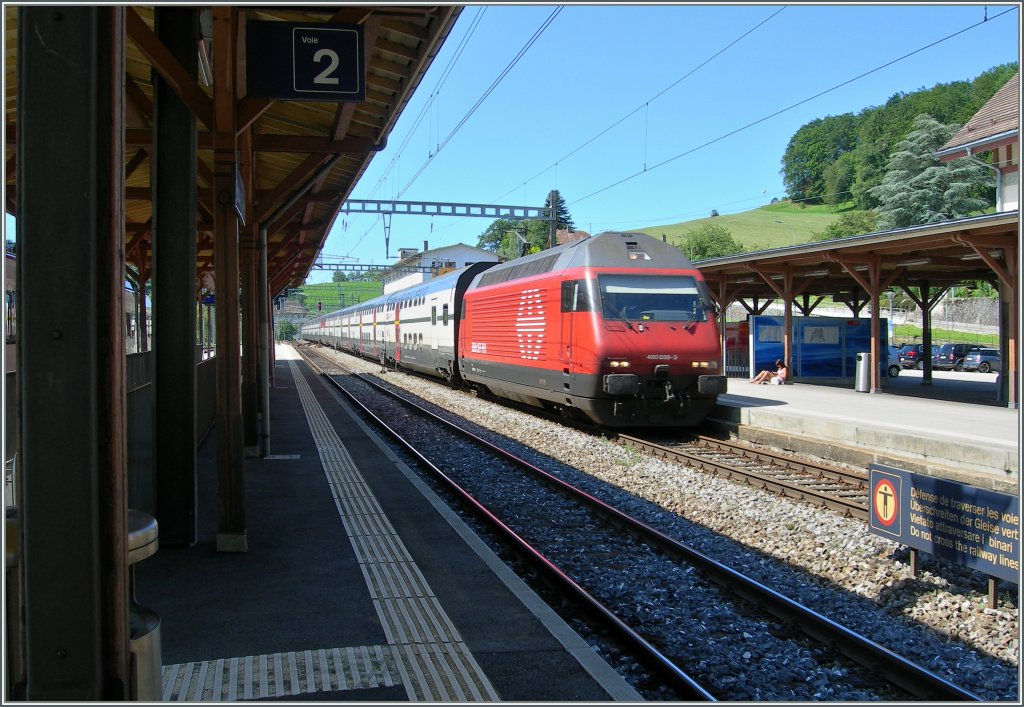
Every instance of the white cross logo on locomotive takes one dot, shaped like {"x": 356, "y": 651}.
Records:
{"x": 530, "y": 325}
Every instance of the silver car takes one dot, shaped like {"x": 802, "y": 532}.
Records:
{"x": 982, "y": 360}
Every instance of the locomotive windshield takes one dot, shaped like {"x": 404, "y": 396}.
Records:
{"x": 664, "y": 298}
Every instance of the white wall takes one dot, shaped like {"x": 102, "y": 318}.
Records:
{"x": 1011, "y": 191}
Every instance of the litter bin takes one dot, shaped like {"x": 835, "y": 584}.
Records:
{"x": 863, "y": 377}
{"x": 143, "y": 541}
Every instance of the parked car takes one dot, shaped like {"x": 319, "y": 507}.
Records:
{"x": 893, "y": 366}
{"x": 951, "y": 356}
{"x": 912, "y": 355}
{"x": 982, "y": 360}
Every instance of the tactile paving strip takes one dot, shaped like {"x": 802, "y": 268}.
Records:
{"x": 433, "y": 658}
{"x": 425, "y": 654}
{"x": 280, "y": 675}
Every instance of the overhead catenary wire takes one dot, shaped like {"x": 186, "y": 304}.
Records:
{"x": 494, "y": 84}
{"x": 788, "y": 108}
{"x": 653, "y": 98}
{"x": 751, "y": 124}
{"x": 483, "y": 97}
{"x": 645, "y": 105}
{"x": 432, "y": 98}
{"x": 431, "y": 101}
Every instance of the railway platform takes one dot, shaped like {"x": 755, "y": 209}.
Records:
{"x": 358, "y": 585}
{"x": 953, "y": 428}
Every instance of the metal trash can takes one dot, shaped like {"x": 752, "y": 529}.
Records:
{"x": 863, "y": 376}
{"x": 147, "y": 683}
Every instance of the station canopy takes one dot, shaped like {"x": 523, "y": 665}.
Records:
{"x": 313, "y": 150}
{"x": 944, "y": 254}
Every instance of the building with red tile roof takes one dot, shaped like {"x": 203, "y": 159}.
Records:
{"x": 996, "y": 128}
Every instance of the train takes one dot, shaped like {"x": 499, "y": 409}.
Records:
{"x": 132, "y": 339}
{"x": 617, "y": 328}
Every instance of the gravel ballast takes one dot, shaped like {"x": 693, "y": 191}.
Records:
{"x": 833, "y": 564}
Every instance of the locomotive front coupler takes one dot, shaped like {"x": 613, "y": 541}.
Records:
{"x": 684, "y": 399}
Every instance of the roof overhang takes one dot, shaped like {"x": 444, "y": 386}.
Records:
{"x": 987, "y": 143}
{"x": 941, "y": 254}
{"x": 299, "y": 160}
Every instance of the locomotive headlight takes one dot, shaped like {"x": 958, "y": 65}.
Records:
{"x": 705, "y": 364}
{"x": 618, "y": 363}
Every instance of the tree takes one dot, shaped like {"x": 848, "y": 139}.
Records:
{"x": 709, "y": 240}
{"x": 286, "y": 331}
{"x": 339, "y": 276}
{"x": 500, "y": 236}
{"x": 812, "y": 149}
{"x": 851, "y": 223}
{"x": 838, "y": 178}
{"x": 919, "y": 189}
{"x": 848, "y": 153}
{"x": 494, "y": 237}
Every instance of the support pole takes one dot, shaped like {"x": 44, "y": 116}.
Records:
{"x": 265, "y": 337}
{"x": 231, "y": 529}
{"x": 251, "y": 291}
{"x": 71, "y": 353}
{"x": 926, "y": 333}
{"x": 553, "y": 223}
{"x": 1009, "y": 304}
{"x": 251, "y": 294}
{"x": 174, "y": 289}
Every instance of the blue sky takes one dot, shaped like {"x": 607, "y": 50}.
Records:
{"x": 596, "y": 64}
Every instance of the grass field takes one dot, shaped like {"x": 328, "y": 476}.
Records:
{"x": 909, "y": 334}
{"x": 335, "y": 295}
{"x": 773, "y": 226}
{"x": 785, "y": 223}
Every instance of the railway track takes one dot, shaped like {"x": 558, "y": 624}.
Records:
{"x": 841, "y": 490}
{"x": 826, "y": 486}
{"x": 905, "y": 674}
{"x": 822, "y": 485}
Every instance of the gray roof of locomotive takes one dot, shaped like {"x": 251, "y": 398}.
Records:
{"x": 608, "y": 249}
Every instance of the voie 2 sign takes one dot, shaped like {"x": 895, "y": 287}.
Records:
{"x": 303, "y": 61}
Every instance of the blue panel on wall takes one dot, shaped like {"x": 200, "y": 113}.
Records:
{"x": 819, "y": 347}
{"x": 823, "y": 347}
{"x": 858, "y": 339}
{"x": 766, "y": 342}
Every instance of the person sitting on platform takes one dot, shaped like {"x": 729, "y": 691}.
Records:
{"x": 778, "y": 376}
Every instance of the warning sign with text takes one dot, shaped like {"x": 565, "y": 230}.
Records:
{"x": 956, "y": 522}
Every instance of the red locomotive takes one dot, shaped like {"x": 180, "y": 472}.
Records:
{"x": 618, "y": 328}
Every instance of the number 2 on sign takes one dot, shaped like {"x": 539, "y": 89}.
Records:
{"x": 324, "y": 77}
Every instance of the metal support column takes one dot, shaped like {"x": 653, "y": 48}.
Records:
{"x": 174, "y": 289}
{"x": 1009, "y": 306}
{"x": 250, "y": 342}
{"x": 70, "y": 165}
{"x": 266, "y": 333}
{"x": 250, "y": 297}
{"x": 231, "y": 530}
{"x": 553, "y": 224}
{"x": 926, "y": 303}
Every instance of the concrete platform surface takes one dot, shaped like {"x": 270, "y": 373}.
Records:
{"x": 953, "y": 428}
{"x": 358, "y": 583}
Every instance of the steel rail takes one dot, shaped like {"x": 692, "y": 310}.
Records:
{"x": 687, "y": 687}
{"x": 897, "y": 669}
{"x": 854, "y": 478}
{"x": 854, "y": 508}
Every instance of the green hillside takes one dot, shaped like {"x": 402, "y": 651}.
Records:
{"x": 335, "y": 295}
{"x": 773, "y": 226}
